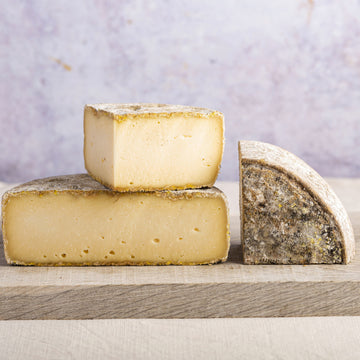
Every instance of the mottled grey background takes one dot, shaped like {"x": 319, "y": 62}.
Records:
{"x": 282, "y": 71}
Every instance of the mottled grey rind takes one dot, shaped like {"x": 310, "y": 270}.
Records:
{"x": 84, "y": 185}
{"x": 308, "y": 187}
{"x": 120, "y": 110}
{"x": 81, "y": 182}
{"x": 283, "y": 223}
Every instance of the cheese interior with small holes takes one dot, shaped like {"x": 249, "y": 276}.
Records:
{"x": 74, "y": 220}
{"x": 146, "y": 147}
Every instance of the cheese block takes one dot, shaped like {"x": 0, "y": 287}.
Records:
{"x": 146, "y": 147}
{"x": 74, "y": 220}
{"x": 289, "y": 214}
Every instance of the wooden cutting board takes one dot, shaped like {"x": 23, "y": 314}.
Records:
{"x": 225, "y": 290}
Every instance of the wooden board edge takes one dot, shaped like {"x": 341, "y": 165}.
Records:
{"x": 179, "y": 301}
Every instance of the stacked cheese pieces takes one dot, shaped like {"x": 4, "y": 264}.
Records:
{"x": 149, "y": 199}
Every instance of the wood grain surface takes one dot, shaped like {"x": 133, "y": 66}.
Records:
{"x": 330, "y": 338}
{"x": 226, "y": 290}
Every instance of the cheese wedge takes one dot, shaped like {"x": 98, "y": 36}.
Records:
{"x": 74, "y": 220}
{"x": 289, "y": 214}
{"x": 145, "y": 147}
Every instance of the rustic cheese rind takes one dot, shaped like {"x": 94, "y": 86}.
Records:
{"x": 289, "y": 214}
{"x": 84, "y": 223}
{"x": 151, "y": 147}
{"x": 121, "y": 112}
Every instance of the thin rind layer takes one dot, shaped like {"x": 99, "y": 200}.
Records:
{"x": 152, "y": 189}
{"x": 121, "y": 111}
{"x": 79, "y": 183}
{"x": 280, "y": 159}
{"x": 85, "y": 185}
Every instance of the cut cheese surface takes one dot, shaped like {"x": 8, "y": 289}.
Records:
{"x": 289, "y": 214}
{"x": 73, "y": 220}
{"x": 145, "y": 147}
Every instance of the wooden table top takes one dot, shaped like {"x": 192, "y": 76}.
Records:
{"x": 266, "y": 338}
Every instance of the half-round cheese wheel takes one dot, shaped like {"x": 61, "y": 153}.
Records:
{"x": 289, "y": 214}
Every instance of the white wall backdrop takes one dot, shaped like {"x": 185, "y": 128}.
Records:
{"x": 285, "y": 72}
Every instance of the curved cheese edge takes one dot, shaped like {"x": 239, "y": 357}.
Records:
{"x": 290, "y": 164}
{"x": 82, "y": 185}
